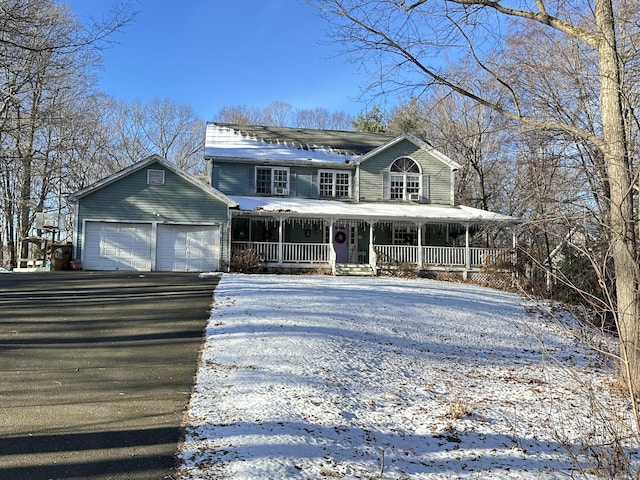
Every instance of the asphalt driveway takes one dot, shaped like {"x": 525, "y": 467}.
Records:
{"x": 96, "y": 369}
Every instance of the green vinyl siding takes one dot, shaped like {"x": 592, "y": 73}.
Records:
{"x": 233, "y": 178}
{"x": 238, "y": 177}
{"x": 371, "y": 172}
{"x": 131, "y": 199}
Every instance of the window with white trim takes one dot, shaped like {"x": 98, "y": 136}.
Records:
{"x": 404, "y": 179}
{"x": 405, "y": 236}
{"x": 334, "y": 184}
{"x": 272, "y": 180}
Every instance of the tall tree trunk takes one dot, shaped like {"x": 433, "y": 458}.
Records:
{"x": 626, "y": 267}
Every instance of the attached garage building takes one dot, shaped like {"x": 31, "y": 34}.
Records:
{"x": 149, "y": 217}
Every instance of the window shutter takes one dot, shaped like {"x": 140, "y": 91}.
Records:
{"x": 315, "y": 192}
{"x": 293, "y": 180}
{"x": 251, "y": 180}
{"x": 426, "y": 186}
{"x": 386, "y": 186}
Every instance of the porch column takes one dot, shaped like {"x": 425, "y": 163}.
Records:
{"x": 280, "y": 237}
{"x": 420, "y": 259}
{"x": 332, "y": 252}
{"x": 373, "y": 261}
{"x": 467, "y": 252}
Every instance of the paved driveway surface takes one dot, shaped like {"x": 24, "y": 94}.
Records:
{"x": 96, "y": 369}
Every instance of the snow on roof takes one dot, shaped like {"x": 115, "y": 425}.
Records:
{"x": 228, "y": 143}
{"x": 374, "y": 211}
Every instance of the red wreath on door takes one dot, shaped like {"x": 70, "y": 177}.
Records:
{"x": 340, "y": 237}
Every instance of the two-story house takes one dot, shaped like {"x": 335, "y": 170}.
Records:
{"x": 316, "y": 197}
{"x": 301, "y": 198}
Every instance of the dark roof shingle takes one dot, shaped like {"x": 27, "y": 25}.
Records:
{"x": 345, "y": 141}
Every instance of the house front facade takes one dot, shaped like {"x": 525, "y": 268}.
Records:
{"x": 346, "y": 201}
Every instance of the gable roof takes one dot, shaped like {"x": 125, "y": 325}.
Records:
{"x": 145, "y": 163}
{"x": 353, "y": 143}
{"x": 417, "y": 142}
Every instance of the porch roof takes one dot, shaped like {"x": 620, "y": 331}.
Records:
{"x": 368, "y": 211}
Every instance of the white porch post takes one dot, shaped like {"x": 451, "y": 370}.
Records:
{"x": 373, "y": 261}
{"x": 467, "y": 252}
{"x": 280, "y": 238}
{"x": 332, "y": 252}
{"x": 420, "y": 260}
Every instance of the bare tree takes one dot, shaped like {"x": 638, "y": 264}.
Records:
{"x": 160, "y": 127}
{"x": 281, "y": 114}
{"x": 407, "y": 38}
{"x": 322, "y": 119}
{"x": 45, "y": 60}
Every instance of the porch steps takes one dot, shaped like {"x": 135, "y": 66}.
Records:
{"x": 353, "y": 270}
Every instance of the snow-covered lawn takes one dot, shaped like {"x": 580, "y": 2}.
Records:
{"x": 382, "y": 378}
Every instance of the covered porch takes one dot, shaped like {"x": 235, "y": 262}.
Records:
{"x": 430, "y": 240}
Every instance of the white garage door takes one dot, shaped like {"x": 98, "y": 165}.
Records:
{"x": 117, "y": 246}
{"x": 188, "y": 248}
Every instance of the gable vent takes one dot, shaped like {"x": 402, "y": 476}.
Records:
{"x": 155, "y": 177}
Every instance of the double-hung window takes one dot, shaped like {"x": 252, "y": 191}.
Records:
{"x": 404, "y": 179}
{"x": 334, "y": 184}
{"x": 405, "y": 235}
{"x": 272, "y": 180}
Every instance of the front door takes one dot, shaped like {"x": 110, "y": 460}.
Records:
{"x": 341, "y": 243}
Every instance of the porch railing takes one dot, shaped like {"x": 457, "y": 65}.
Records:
{"x": 305, "y": 252}
{"x": 441, "y": 256}
{"x": 454, "y": 256}
{"x": 268, "y": 251}
{"x": 431, "y": 256}
{"x": 291, "y": 252}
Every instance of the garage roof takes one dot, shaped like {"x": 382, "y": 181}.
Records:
{"x": 145, "y": 163}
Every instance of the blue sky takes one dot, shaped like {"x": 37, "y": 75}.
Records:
{"x": 215, "y": 53}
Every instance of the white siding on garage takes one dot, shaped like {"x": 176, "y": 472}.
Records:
{"x": 117, "y": 246}
{"x": 188, "y": 248}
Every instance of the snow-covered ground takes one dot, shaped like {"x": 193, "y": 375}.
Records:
{"x": 380, "y": 378}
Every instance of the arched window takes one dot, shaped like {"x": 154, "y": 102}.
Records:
{"x": 405, "y": 165}
{"x": 404, "y": 179}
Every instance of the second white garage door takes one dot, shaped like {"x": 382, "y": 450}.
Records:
{"x": 188, "y": 248}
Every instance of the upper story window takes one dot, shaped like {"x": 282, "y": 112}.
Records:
{"x": 404, "y": 179}
{"x": 272, "y": 180}
{"x": 334, "y": 184}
